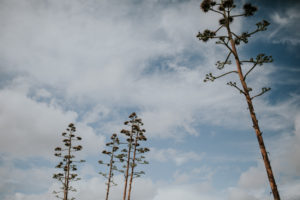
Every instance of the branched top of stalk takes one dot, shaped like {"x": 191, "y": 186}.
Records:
{"x": 224, "y": 9}
{"x": 68, "y": 164}
{"x": 112, "y": 153}
{"x": 134, "y": 135}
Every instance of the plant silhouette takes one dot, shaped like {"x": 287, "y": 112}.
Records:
{"x": 68, "y": 163}
{"x": 230, "y": 40}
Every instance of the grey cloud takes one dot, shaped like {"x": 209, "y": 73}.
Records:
{"x": 96, "y": 52}
{"x": 32, "y": 128}
{"x": 286, "y": 26}
{"x": 178, "y": 157}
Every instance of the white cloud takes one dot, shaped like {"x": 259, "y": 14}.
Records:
{"x": 290, "y": 191}
{"x": 87, "y": 188}
{"x": 21, "y": 196}
{"x": 42, "y": 93}
{"x": 31, "y": 179}
{"x": 32, "y": 128}
{"x": 95, "y": 57}
{"x": 186, "y": 191}
{"x": 236, "y": 194}
{"x": 203, "y": 175}
{"x": 286, "y": 26}
{"x": 91, "y": 55}
{"x": 178, "y": 157}
{"x": 287, "y": 150}
{"x": 96, "y": 54}
{"x": 254, "y": 178}
{"x": 253, "y": 183}
{"x": 93, "y": 188}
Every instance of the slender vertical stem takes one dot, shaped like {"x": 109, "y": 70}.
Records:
{"x": 65, "y": 186}
{"x": 253, "y": 116}
{"x": 128, "y": 163}
{"x": 110, "y": 172}
{"x": 132, "y": 167}
{"x": 66, "y": 189}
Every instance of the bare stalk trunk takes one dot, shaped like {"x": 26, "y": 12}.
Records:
{"x": 127, "y": 170}
{"x": 132, "y": 169}
{"x": 66, "y": 189}
{"x": 254, "y": 119}
{"x": 109, "y": 176}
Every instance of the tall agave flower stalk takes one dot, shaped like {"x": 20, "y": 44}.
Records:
{"x": 243, "y": 70}
{"x": 68, "y": 163}
{"x": 133, "y": 153}
{"x": 112, "y": 153}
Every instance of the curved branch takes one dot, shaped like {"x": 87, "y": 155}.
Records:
{"x": 240, "y": 15}
{"x": 253, "y": 32}
{"x": 226, "y": 74}
{"x": 221, "y": 65}
{"x": 226, "y": 45}
{"x": 210, "y": 77}
{"x": 216, "y": 11}
{"x": 235, "y": 35}
{"x": 250, "y": 71}
{"x": 247, "y": 61}
{"x": 263, "y": 90}
{"x": 219, "y": 29}
{"x": 219, "y": 37}
{"x": 261, "y": 26}
{"x": 233, "y": 84}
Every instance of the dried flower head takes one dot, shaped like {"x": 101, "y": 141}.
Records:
{"x": 224, "y": 21}
{"x": 228, "y": 4}
{"x": 206, "y": 5}
{"x": 206, "y": 35}
{"x": 249, "y": 9}
{"x": 132, "y": 115}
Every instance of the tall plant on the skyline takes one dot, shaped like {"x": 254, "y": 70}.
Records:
{"x": 113, "y": 147}
{"x": 230, "y": 40}
{"x": 67, "y": 164}
{"x": 133, "y": 152}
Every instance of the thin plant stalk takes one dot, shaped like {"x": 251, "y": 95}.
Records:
{"x": 133, "y": 166}
{"x": 127, "y": 168}
{"x": 109, "y": 176}
{"x": 253, "y": 117}
{"x": 230, "y": 41}
{"x": 66, "y": 189}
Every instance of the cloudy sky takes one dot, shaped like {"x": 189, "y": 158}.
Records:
{"x": 93, "y": 62}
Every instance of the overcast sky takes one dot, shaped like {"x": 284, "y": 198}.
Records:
{"x": 93, "y": 62}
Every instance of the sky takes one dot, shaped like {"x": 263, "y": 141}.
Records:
{"x": 93, "y": 62}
